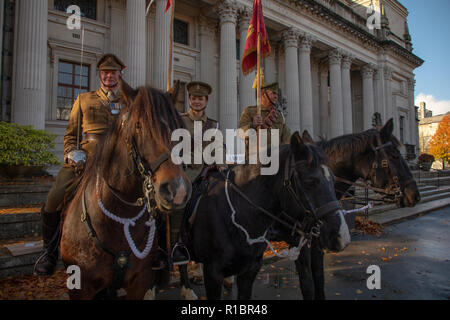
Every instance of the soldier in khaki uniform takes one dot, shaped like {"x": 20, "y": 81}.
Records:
{"x": 198, "y": 101}
{"x": 270, "y": 117}
{"x": 96, "y": 112}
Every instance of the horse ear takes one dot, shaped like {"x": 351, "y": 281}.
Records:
{"x": 173, "y": 92}
{"x": 298, "y": 146}
{"x": 387, "y": 130}
{"x": 307, "y": 137}
{"x": 128, "y": 93}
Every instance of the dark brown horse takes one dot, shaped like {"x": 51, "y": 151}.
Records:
{"x": 373, "y": 156}
{"x": 109, "y": 226}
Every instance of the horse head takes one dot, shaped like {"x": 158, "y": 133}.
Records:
{"x": 313, "y": 183}
{"x": 387, "y": 169}
{"x": 148, "y": 119}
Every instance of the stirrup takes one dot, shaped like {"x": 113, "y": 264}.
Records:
{"x": 183, "y": 262}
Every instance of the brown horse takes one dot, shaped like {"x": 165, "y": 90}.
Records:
{"x": 109, "y": 226}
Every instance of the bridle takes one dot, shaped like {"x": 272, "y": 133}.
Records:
{"x": 392, "y": 193}
{"x": 312, "y": 217}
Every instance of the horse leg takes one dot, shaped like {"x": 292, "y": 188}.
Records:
{"x": 245, "y": 282}
{"x": 303, "y": 266}
{"x": 213, "y": 281}
{"x": 187, "y": 292}
{"x": 317, "y": 271}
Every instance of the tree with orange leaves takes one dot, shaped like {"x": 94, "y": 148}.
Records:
{"x": 440, "y": 143}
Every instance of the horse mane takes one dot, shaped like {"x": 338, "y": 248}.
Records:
{"x": 156, "y": 115}
{"x": 350, "y": 143}
{"x": 354, "y": 143}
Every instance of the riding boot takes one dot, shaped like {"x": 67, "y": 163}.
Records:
{"x": 180, "y": 252}
{"x": 46, "y": 263}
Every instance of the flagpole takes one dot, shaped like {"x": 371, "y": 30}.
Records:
{"x": 169, "y": 77}
{"x": 258, "y": 75}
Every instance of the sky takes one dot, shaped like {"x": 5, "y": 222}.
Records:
{"x": 429, "y": 26}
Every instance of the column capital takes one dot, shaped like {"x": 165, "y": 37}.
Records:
{"x": 335, "y": 56}
{"x": 290, "y": 38}
{"x": 228, "y": 12}
{"x": 367, "y": 71}
{"x": 388, "y": 73}
{"x": 306, "y": 41}
{"x": 347, "y": 60}
{"x": 244, "y": 17}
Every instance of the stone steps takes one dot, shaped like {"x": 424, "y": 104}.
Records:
{"x": 11, "y": 265}
{"x": 21, "y": 195}
{"x": 20, "y": 223}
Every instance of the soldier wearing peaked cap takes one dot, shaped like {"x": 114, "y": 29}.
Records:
{"x": 91, "y": 115}
{"x": 270, "y": 117}
{"x": 199, "y": 93}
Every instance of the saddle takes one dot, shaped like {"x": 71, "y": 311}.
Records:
{"x": 199, "y": 187}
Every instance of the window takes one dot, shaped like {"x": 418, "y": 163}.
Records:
{"x": 88, "y": 7}
{"x": 180, "y": 32}
{"x": 402, "y": 129}
{"x": 69, "y": 87}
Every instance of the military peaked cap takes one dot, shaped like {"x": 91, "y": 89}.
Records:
{"x": 110, "y": 62}
{"x": 197, "y": 88}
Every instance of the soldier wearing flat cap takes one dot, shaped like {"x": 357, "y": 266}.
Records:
{"x": 91, "y": 115}
{"x": 270, "y": 117}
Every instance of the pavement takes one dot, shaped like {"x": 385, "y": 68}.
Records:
{"x": 413, "y": 257}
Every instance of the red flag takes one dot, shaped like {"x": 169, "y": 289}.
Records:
{"x": 169, "y": 3}
{"x": 249, "y": 60}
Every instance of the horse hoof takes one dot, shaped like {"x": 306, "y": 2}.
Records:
{"x": 150, "y": 294}
{"x": 228, "y": 282}
{"x": 188, "y": 294}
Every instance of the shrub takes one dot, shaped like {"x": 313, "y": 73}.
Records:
{"x": 24, "y": 145}
{"x": 425, "y": 157}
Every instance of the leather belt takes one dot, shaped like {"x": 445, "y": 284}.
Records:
{"x": 93, "y": 136}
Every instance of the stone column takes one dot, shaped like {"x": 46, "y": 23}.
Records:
{"x": 379, "y": 92}
{"x": 323, "y": 98}
{"x": 246, "y": 92}
{"x": 306, "y": 99}
{"x": 368, "y": 99}
{"x": 31, "y": 62}
{"x": 161, "y": 46}
{"x": 207, "y": 32}
{"x": 290, "y": 39}
{"x": 347, "y": 94}
{"x": 135, "y": 43}
{"x": 336, "y": 109}
{"x": 414, "y": 129}
{"x": 228, "y": 76}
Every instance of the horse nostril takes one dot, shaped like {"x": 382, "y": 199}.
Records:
{"x": 166, "y": 191}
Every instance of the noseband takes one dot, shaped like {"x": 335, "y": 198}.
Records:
{"x": 312, "y": 215}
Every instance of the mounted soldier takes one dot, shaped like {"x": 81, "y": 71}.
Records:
{"x": 199, "y": 93}
{"x": 270, "y": 118}
{"x": 92, "y": 114}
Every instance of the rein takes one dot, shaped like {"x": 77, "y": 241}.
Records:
{"x": 393, "y": 189}
{"x": 295, "y": 226}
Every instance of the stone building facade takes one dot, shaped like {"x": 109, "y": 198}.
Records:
{"x": 334, "y": 71}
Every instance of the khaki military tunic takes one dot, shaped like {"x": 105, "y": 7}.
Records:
{"x": 96, "y": 117}
{"x": 246, "y": 122}
{"x": 189, "y": 118}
